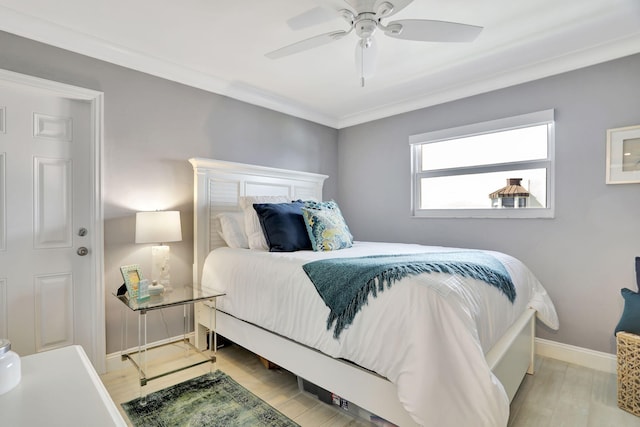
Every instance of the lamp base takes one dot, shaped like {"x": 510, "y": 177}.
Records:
{"x": 160, "y": 265}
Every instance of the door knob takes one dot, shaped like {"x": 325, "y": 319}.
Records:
{"x": 82, "y": 251}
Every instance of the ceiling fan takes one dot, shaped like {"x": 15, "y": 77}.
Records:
{"x": 365, "y": 18}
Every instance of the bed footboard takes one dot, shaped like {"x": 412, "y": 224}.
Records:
{"x": 510, "y": 359}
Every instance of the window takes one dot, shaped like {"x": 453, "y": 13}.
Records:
{"x": 497, "y": 169}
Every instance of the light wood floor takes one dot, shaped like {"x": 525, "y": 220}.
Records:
{"x": 559, "y": 394}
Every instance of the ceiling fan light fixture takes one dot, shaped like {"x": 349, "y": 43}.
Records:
{"x": 366, "y": 58}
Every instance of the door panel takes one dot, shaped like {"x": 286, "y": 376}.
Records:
{"x": 57, "y": 128}
{"x": 3, "y": 308}
{"x": 52, "y": 201}
{"x": 3, "y": 206}
{"x": 54, "y": 311}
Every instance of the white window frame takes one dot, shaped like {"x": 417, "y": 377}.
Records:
{"x": 525, "y": 120}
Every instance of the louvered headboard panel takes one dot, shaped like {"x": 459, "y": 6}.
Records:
{"x": 218, "y": 186}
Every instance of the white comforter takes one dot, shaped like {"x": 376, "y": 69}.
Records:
{"x": 427, "y": 334}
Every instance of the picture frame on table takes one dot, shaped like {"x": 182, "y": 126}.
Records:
{"x": 132, "y": 275}
{"x": 623, "y": 155}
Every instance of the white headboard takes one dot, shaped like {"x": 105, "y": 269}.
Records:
{"x": 218, "y": 186}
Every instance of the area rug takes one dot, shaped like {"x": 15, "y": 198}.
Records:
{"x": 209, "y": 400}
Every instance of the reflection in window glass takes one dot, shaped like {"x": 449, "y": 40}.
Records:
{"x": 472, "y": 191}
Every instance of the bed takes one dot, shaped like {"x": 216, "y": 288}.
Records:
{"x": 461, "y": 368}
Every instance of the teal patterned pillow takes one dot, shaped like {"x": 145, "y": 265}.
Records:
{"x": 326, "y": 226}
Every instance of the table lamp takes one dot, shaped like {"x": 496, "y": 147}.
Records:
{"x": 159, "y": 227}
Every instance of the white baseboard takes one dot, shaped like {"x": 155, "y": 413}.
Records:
{"x": 577, "y": 355}
{"x": 567, "y": 353}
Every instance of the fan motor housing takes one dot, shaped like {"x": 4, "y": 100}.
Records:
{"x": 365, "y": 25}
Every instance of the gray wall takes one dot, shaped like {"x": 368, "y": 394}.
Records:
{"x": 584, "y": 255}
{"x": 152, "y": 126}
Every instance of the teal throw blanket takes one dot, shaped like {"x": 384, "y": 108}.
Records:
{"x": 346, "y": 283}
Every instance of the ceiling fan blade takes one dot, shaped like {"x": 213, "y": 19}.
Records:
{"x": 398, "y": 5}
{"x": 426, "y": 30}
{"x": 315, "y": 16}
{"x": 306, "y": 44}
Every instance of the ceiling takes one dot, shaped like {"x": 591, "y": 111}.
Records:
{"x": 220, "y": 46}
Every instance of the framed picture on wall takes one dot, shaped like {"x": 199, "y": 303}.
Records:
{"x": 132, "y": 276}
{"x": 623, "y": 155}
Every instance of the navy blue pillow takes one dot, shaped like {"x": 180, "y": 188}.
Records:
{"x": 283, "y": 226}
{"x": 630, "y": 320}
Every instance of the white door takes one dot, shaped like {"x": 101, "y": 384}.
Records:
{"x": 46, "y": 286}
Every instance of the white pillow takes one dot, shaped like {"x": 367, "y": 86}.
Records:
{"x": 232, "y": 229}
{"x": 252, "y": 227}
{"x": 216, "y": 229}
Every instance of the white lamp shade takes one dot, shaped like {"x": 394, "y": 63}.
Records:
{"x": 158, "y": 227}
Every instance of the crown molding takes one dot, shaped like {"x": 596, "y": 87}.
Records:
{"x": 52, "y": 34}
{"x": 523, "y": 74}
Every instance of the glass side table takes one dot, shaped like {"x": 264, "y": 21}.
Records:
{"x": 179, "y": 296}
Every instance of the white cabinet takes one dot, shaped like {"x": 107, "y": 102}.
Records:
{"x": 59, "y": 387}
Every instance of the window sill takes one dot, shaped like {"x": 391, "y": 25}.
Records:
{"x": 501, "y": 213}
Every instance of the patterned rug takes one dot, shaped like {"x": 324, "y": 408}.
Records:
{"x": 209, "y": 400}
